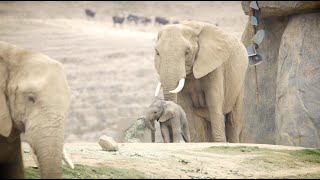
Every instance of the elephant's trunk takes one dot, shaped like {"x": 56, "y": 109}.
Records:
{"x": 47, "y": 142}
{"x": 169, "y": 84}
{"x": 49, "y": 153}
{"x": 170, "y": 97}
{"x": 171, "y": 73}
{"x": 150, "y": 124}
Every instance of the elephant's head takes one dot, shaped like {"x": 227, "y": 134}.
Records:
{"x": 34, "y": 98}
{"x": 185, "y": 49}
{"x": 159, "y": 110}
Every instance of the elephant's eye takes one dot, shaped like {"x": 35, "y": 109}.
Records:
{"x": 31, "y": 99}
{"x": 155, "y": 112}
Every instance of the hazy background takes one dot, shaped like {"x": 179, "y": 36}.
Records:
{"x": 109, "y": 69}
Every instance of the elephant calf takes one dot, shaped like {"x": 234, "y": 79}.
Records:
{"x": 172, "y": 118}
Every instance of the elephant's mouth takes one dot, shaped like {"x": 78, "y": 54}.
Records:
{"x": 20, "y": 126}
{"x": 177, "y": 90}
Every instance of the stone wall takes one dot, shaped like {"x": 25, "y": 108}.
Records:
{"x": 288, "y": 81}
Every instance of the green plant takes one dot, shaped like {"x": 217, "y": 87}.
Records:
{"x": 87, "y": 172}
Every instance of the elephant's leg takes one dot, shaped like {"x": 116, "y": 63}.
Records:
{"x": 215, "y": 100}
{"x": 153, "y": 138}
{"x": 198, "y": 127}
{"x": 13, "y": 170}
{"x": 234, "y": 121}
{"x": 165, "y": 133}
{"x": 176, "y": 129}
{"x": 185, "y": 132}
{"x": 217, "y": 126}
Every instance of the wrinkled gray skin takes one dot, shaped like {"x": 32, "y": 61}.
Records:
{"x": 34, "y": 100}
{"x": 172, "y": 118}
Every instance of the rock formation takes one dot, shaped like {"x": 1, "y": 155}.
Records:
{"x": 288, "y": 108}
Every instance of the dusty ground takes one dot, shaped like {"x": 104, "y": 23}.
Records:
{"x": 194, "y": 160}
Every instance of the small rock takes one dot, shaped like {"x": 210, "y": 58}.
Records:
{"x": 108, "y": 144}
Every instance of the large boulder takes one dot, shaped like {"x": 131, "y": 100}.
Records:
{"x": 282, "y": 8}
{"x": 259, "y": 111}
{"x": 288, "y": 80}
{"x": 108, "y": 143}
{"x": 298, "y": 83}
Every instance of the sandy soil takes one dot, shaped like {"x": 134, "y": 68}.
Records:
{"x": 188, "y": 160}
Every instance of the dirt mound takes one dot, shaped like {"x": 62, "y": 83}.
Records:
{"x": 193, "y": 160}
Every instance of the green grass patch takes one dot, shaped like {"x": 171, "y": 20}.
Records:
{"x": 306, "y": 155}
{"x": 269, "y": 158}
{"x": 32, "y": 173}
{"x": 95, "y": 172}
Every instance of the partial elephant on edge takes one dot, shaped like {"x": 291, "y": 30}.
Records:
{"x": 202, "y": 68}
{"x": 172, "y": 118}
{"x": 34, "y": 100}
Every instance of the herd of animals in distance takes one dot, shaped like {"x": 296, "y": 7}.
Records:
{"x": 135, "y": 19}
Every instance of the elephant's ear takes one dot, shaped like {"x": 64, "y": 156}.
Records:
{"x": 213, "y": 50}
{"x": 5, "y": 118}
{"x": 168, "y": 112}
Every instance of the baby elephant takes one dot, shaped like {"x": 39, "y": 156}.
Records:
{"x": 172, "y": 118}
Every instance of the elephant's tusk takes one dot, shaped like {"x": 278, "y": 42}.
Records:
{"x": 67, "y": 159}
{"x": 157, "y": 89}
{"x": 180, "y": 86}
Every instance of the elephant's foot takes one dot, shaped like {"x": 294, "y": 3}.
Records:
{"x": 218, "y": 127}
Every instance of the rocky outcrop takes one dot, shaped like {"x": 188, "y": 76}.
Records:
{"x": 259, "y": 111}
{"x": 282, "y": 8}
{"x": 298, "y": 83}
{"x": 286, "y": 111}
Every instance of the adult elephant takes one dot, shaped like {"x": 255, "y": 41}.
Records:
{"x": 202, "y": 68}
{"x": 34, "y": 99}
